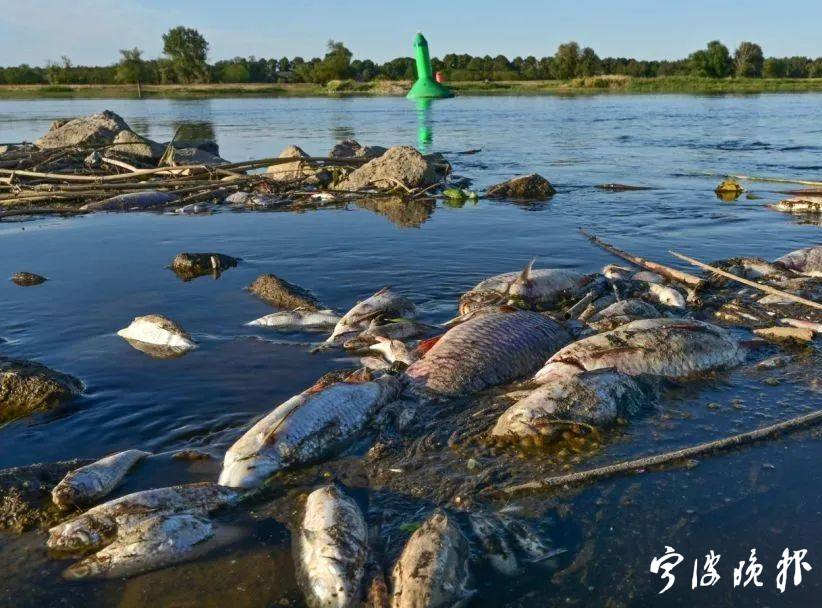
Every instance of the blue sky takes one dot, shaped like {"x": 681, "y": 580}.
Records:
{"x": 92, "y": 31}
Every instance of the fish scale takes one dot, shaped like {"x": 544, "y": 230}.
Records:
{"x": 485, "y": 351}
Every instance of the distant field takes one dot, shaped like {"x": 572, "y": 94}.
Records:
{"x": 595, "y": 84}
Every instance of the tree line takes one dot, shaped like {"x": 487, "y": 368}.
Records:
{"x": 185, "y": 60}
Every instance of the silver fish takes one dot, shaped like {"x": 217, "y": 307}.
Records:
{"x": 330, "y": 549}
{"x": 527, "y": 539}
{"x": 646, "y": 276}
{"x": 100, "y": 525}
{"x": 298, "y": 319}
{"x": 88, "y": 484}
{"x": 485, "y": 351}
{"x": 622, "y": 312}
{"x": 432, "y": 571}
{"x": 667, "y": 295}
{"x": 673, "y": 348}
{"x": 132, "y": 200}
{"x": 384, "y": 304}
{"x": 540, "y": 289}
{"x": 494, "y": 542}
{"x": 807, "y": 261}
{"x": 304, "y": 429}
{"x": 800, "y": 204}
{"x": 393, "y": 351}
{"x": 596, "y": 397}
{"x": 157, "y": 541}
{"x": 613, "y": 271}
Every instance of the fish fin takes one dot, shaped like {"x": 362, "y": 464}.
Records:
{"x": 359, "y": 376}
{"x": 509, "y": 308}
{"x": 525, "y": 275}
{"x": 425, "y": 345}
{"x": 382, "y": 291}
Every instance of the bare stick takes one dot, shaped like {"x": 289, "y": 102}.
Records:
{"x": 755, "y": 285}
{"x": 669, "y": 273}
{"x": 119, "y": 163}
{"x": 639, "y": 464}
{"x": 577, "y": 308}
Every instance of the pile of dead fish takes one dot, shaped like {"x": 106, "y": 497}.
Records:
{"x": 589, "y": 349}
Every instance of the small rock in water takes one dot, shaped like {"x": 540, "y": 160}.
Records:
{"x": 27, "y": 387}
{"x": 281, "y": 294}
{"x": 531, "y": 187}
{"x": 351, "y": 148}
{"x": 27, "y": 279}
{"x": 191, "y": 265}
{"x": 398, "y": 165}
{"x": 297, "y": 170}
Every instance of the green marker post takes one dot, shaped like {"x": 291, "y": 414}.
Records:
{"x": 425, "y": 87}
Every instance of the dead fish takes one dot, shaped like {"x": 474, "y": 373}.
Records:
{"x": 298, "y": 319}
{"x": 541, "y": 289}
{"x": 749, "y": 267}
{"x": 194, "y": 208}
{"x": 800, "y": 204}
{"x": 613, "y": 271}
{"x": 100, "y": 525}
{"x": 157, "y": 541}
{"x": 485, "y": 351}
{"x": 159, "y": 330}
{"x": 807, "y": 261}
{"x": 88, "y": 484}
{"x": 803, "y": 324}
{"x": 667, "y": 295}
{"x": 595, "y": 397}
{"x": 673, "y": 348}
{"x": 527, "y": 539}
{"x": 622, "y": 312}
{"x": 393, "y": 351}
{"x": 304, "y": 429}
{"x": 432, "y": 571}
{"x": 647, "y": 277}
{"x": 385, "y": 304}
{"x": 331, "y": 548}
{"x": 496, "y": 549}
{"x": 131, "y": 201}
{"x": 375, "y": 364}
{"x": 478, "y": 312}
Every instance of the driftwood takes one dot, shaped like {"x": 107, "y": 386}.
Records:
{"x": 640, "y": 464}
{"x": 669, "y": 273}
{"x": 583, "y": 303}
{"x": 754, "y": 284}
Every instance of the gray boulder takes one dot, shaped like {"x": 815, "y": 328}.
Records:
{"x": 129, "y": 144}
{"x": 27, "y": 387}
{"x": 289, "y": 172}
{"x": 188, "y": 266}
{"x": 193, "y": 156}
{"x": 351, "y": 148}
{"x": 282, "y": 294}
{"x": 86, "y": 131}
{"x": 399, "y": 165}
{"x": 523, "y": 188}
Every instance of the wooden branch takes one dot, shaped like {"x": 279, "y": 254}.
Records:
{"x": 119, "y": 163}
{"x": 755, "y": 285}
{"x": 638, "y": 465}
{"x": 669, "y": 273}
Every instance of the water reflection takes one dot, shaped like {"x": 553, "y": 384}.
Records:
{"x": 425, "y": 126}
{"x": 400, "y": 212}
{"x": 342, "y": 132}
{"x": 190, "y": 131}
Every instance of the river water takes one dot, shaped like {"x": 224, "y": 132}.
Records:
{"x": 105, "y": 269}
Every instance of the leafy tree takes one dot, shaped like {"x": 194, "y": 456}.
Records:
{"x": 774, "y": 68}
{"x": 589, "y": 63}
{"x": 283, "y": 65}
{"x": 187, "y": 50}
{"x": 336, "y": 65}
{"x": 748, "y": 60}
{"x": 713, "y": 62}
{"x": 131, "y": 68}
{"x": 565, "y": 60}
{"x": 235, "y": 71}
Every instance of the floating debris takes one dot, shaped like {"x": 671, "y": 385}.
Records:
{"x": 158, "y": 330}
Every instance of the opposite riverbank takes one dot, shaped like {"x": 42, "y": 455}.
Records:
{"x": 596, "y": 84}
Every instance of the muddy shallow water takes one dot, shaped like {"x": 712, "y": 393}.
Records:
{"x": 105, "y": 269}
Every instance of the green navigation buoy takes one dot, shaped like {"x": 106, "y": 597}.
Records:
{"x": 425, "y": 87}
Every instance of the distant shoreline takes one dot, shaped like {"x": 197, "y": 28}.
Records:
{"x": 577, "y": 86}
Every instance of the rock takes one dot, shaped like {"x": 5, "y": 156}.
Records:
{"x": 351, "y": 148}
{"x": 782, "y": 334}
{"x": 27, "y": 387}
{"x": 399, "y": 165}
{"x": 191, "y": 265}
{"x": 193, "y": 156}
{"x": 131, "y": 201}
{"x": 287, "y": 172}
{"x": 25, "y": 494}
{"x": 282, "y": 294}
{"x": 27, "y": 279}
{"x": 86, "y": 131}
{"x": 531, "y": 187}
{"x": 132, "y": 145}
{"x": 191, "y": 454}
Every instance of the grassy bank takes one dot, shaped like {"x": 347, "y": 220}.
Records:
{"x": 596, "y": 84}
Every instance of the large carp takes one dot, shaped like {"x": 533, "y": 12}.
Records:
{"x": 806, "y": 261}
{"x": 594, "y": 397}
{"x": 330, "y": 549}
{"x": 673, "y": 348}
{"x": 485, "y": 351}
{"x": 304, "y": 429}
{"x": 541, "y": 289}
{"x": 432, "y": 571}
